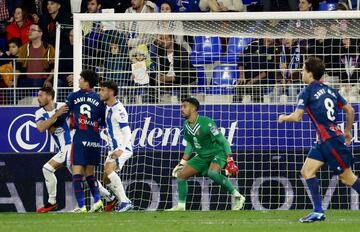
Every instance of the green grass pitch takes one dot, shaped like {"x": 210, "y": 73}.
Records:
{"x": 220, "y": 221}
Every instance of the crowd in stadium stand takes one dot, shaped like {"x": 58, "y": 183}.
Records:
{"x": 28, "y": 28}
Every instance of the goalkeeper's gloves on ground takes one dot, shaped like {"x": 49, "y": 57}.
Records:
{"x": 231, "y": 169}
{"x": 179, "y": 168}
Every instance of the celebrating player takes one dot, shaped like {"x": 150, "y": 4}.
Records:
{"x": 88, "y": 112}
{"x": 322, "y": 104}
{"x": 212, "y": 154}
{"x": 119, "y": 135}
{"x": 45, "y": 117}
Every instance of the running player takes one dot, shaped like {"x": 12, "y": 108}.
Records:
{"x": 322, "y": 104}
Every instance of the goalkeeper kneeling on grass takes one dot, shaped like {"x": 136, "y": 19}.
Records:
{"x": 212, "y": 154}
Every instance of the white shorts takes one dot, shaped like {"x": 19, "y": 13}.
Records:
{"x": 119, "y": 161}
{"x": 63, "y": 156}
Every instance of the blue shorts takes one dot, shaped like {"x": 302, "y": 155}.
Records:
{"x": 85, "y": 152}
{"x": 334, "y": 152}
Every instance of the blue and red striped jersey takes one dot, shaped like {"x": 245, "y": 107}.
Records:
{"x": 88, "y": 112}
{"x": 322, "y": 103}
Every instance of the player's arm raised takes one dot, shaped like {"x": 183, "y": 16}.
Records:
{"x": 349, "y": 110}
{"x": 43, "y": 125}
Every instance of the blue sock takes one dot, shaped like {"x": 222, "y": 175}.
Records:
{"x": 356, "y": 186}
{"x": 314, "y": 187}
{"x": 78, "y": 183}
{"x": 94, "y": 187}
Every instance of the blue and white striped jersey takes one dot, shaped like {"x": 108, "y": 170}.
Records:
{"x": 117, "y": 126}
{"x": 61, "y": 135}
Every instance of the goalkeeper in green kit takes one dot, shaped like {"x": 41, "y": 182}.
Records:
{"x": 212, "y": 153}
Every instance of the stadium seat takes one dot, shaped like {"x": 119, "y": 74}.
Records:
{"x": 325, "y": 6}
{"x": 236, "y": 46}
{"x": 223, "y": 75}
{"x": 206, "y": 50}
{"x": 201, "y": 80}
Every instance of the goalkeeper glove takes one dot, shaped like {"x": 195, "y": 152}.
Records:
{"x": 231, "y": 169}
{"x": 179, "y": 168}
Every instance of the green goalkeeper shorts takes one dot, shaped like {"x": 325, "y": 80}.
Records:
{"x": 202, "y": 164}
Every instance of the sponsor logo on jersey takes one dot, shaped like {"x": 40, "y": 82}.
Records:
{"x": 90, "y": 144}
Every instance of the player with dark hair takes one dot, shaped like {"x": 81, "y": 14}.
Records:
{"x": 212, "y": 151}
{"x": 88, "y": 112}
{"x": 45, "y": 117}
{"x": 322, "y": 103}
{"x": 119, "y": 136}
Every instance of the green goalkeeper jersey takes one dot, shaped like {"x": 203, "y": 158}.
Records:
{"x": 204, "y": 138}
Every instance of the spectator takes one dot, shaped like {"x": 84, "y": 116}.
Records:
{"x": 305, "y": 5}
{"x": 53, "y": 15}
{"x": 346, "y": 67}
{"x": 94, "y": 6}
{"x": 256, "y": 68}
{"x": 166, "y": 7}
{"x": 133, "y": 28}
{"x": 280, "y": 5}
{"x": 116, "y": 64}
{"x": 93, "y": 35}
{"x": 171, "y": 26}
{"x": 66, "y": 68}
{"x": 119, "y": 6}
{"x": 173, "y": 65}
{"x": 36, "y": 57}
{"x": 20, "y": 26}
{"x": 221, "y": 5}
{"x": 291, "y": 60}
{"x": 7, "y": 63}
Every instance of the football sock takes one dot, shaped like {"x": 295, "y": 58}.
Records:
{"x": 314, "y": 187}
{"x": 221, "y": 180}
{"x": 117, "y": 187}
{"x": 103, "y": 191}
{"x": 50, "y": 181}
{"x": 182, "y": 190}
{"x": 78, "y": 184}
{"x": 94, "y": 187}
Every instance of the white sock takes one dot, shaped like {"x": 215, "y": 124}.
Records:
{"x": 50, "y": 181}
{"x": 117, "y": 187}
{"x": 103, "y": 191}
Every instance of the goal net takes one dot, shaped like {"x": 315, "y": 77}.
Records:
{"x": 245, "y": 69}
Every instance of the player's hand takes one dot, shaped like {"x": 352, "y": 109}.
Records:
{"x": 62, "y": 110}
{"x": 231, "y": 169}
{"x": 116, "y": 154}
{"x": 348, "y": 138}
{"x": 281, "y": 118}
{"x": 179, "y": 168}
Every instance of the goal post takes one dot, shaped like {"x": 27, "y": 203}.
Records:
{"x": 221, "y": 48}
